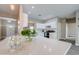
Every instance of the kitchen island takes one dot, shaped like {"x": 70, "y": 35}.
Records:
{"x": 38, "y": 46}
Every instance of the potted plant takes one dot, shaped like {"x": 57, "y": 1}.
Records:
{"x": 29, "y": 33}
{"x": 33, "y": 32}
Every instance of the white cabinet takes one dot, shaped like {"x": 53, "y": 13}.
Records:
{"x": 53, "y": 36}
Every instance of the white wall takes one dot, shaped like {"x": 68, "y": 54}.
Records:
{"x": 23, "y": 20}
{"x": 62, "y": 31}
{"x": 77, "y": 28}
{"x": 71, "y": 30}
{"x": 59, "y": 28}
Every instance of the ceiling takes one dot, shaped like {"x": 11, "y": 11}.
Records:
{"x": 5, "y": 11}
{"x": 48, "y": 11}
{"x": 40, "y": 12}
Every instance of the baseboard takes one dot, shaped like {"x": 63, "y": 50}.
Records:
{"x": 67, "y": 49}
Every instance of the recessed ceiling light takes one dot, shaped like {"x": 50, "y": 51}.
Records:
{"x": 12, "y": 7}
{"x": 33, "y": 7}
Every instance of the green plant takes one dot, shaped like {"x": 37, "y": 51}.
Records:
{"x": 28, "y": 33}
{"x": 33, "y": 32}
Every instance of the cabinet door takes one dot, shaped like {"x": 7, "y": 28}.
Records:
{"x": 53, "y": 35}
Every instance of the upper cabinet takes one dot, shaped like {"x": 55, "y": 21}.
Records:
{"x": 51, "y": 23}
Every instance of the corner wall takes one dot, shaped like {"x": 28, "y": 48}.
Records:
{"x": 77, "y": 28}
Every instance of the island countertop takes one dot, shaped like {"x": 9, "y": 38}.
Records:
{"x": 38, "y": 46}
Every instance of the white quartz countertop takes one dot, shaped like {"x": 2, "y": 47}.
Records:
{"x": 38, "y": 46}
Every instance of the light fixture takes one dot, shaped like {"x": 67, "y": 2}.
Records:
{"x": 12, "y": 7}
{"x": 33, "y": 7}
